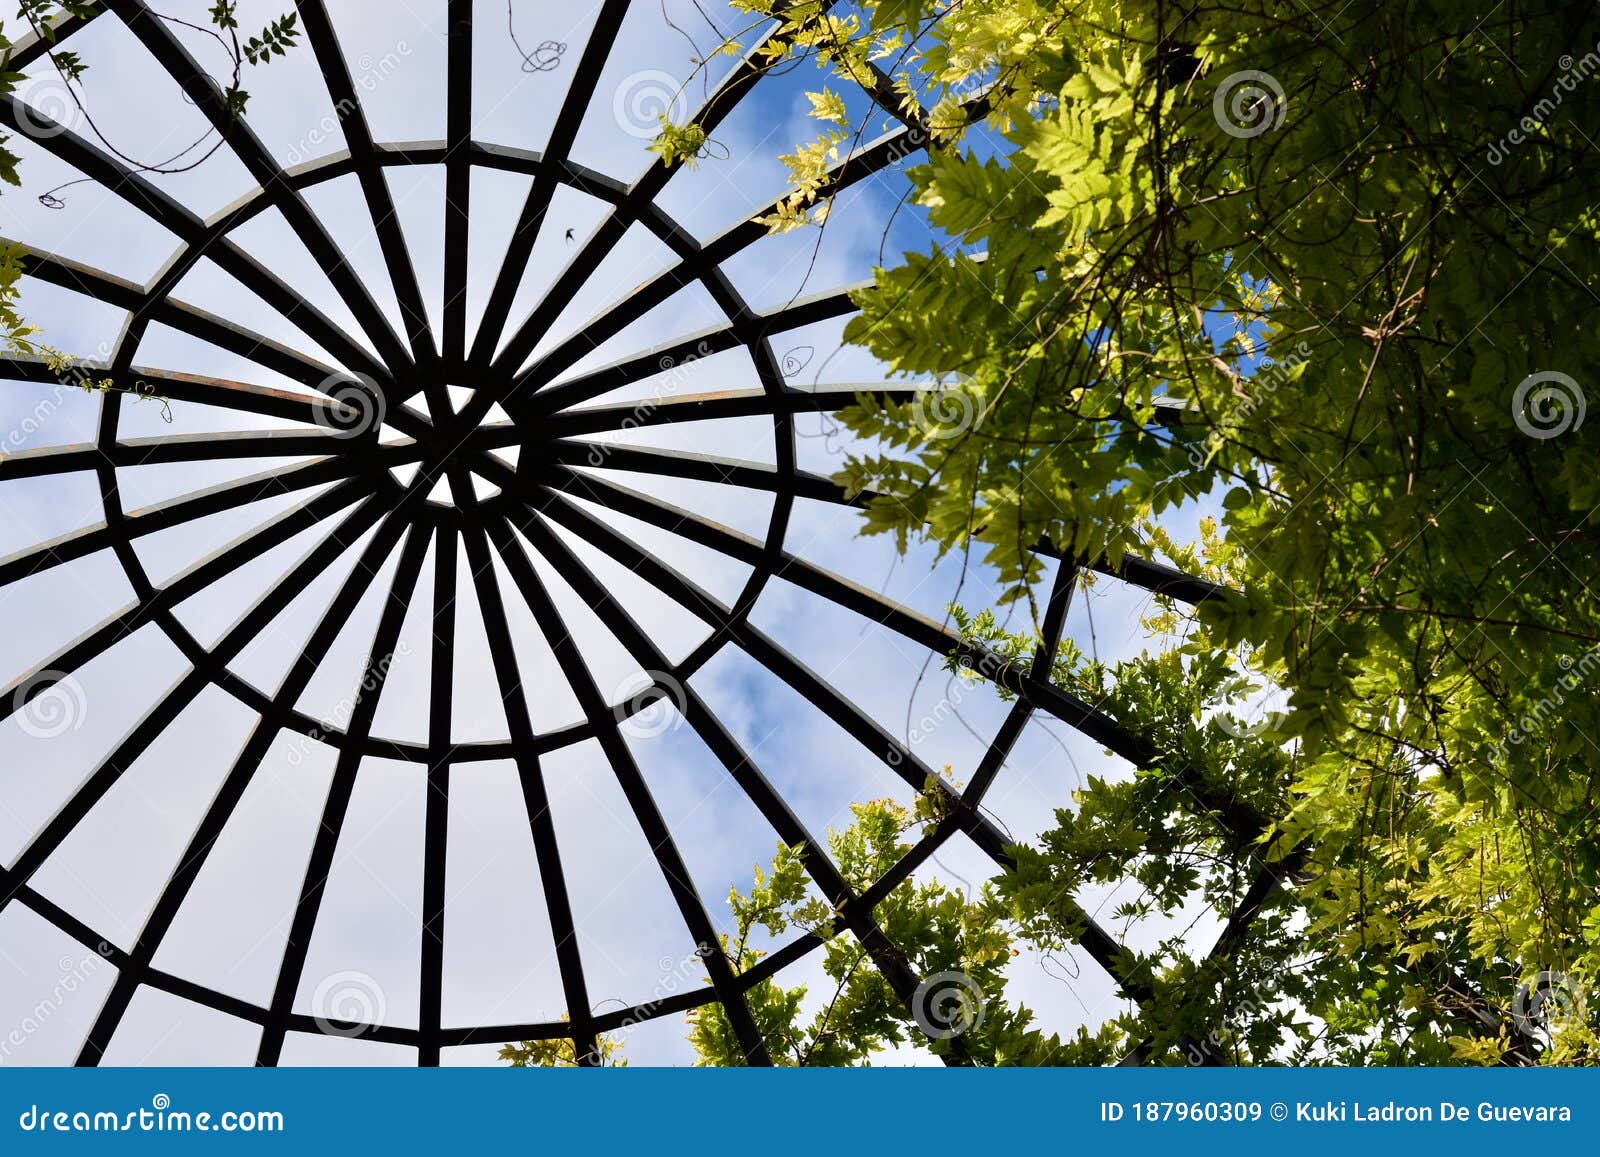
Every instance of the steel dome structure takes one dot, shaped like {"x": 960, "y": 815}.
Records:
{"x": 377, "y": 458}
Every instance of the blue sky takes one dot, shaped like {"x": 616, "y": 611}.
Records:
{"x": 499, "y": 966}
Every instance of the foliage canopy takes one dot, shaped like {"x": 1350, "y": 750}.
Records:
{"x": 1333, "y": 276}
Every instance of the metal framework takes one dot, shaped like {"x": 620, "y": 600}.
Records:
{"x": 536, "y": 494}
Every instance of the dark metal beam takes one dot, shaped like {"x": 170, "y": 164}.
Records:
{"x": 374, "y": 187}
{"x": 207, "y": 96}
{"x": 245, "y": 766}
{"x": 436, "y": 817}
{"x": 457, "y": 179}
{"x": 741, "y": 768}
{"x": 99, "y": 639}
{"x": 535, "y": 795}
{"x": 337, "y": 805}
{"x": 646, "y": 813}
{"x": 165, "y": 515}
{"x": 608, "y": 22}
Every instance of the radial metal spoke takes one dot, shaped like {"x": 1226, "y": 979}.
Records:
{"x": 683, "y": 351}
{"x": 175, "y": 700}
{"x": 740, "y": 767}
{"x": 164, "y": 516}
{"x": 337, "y": 805}
{"x": 207, "y": 96}
{"x": 645, "y": 811}
{"x": 436, "y": 820}
{"x": 242, "y": 445}
{"x": 693, "y": 466}
{"x": 563, "y": 133}
{"x": 535, "y": 795}
{"x": 189, "y": 319}
{"x": 240, "y": 776}
{"x": 78, "y": 276}
{"x": 165, "y": 386}
{"x": 669, "y": 408}
{"x": 97, "y": 640}
{"x": 374, "y": 187}
{"x": 457, "y": 180}
{"x": 199, "y": 240}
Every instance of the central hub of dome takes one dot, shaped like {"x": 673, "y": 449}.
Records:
{"x": 455, "y": 441}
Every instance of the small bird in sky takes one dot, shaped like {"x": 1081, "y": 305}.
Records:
{"x": 569, "y": 234}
